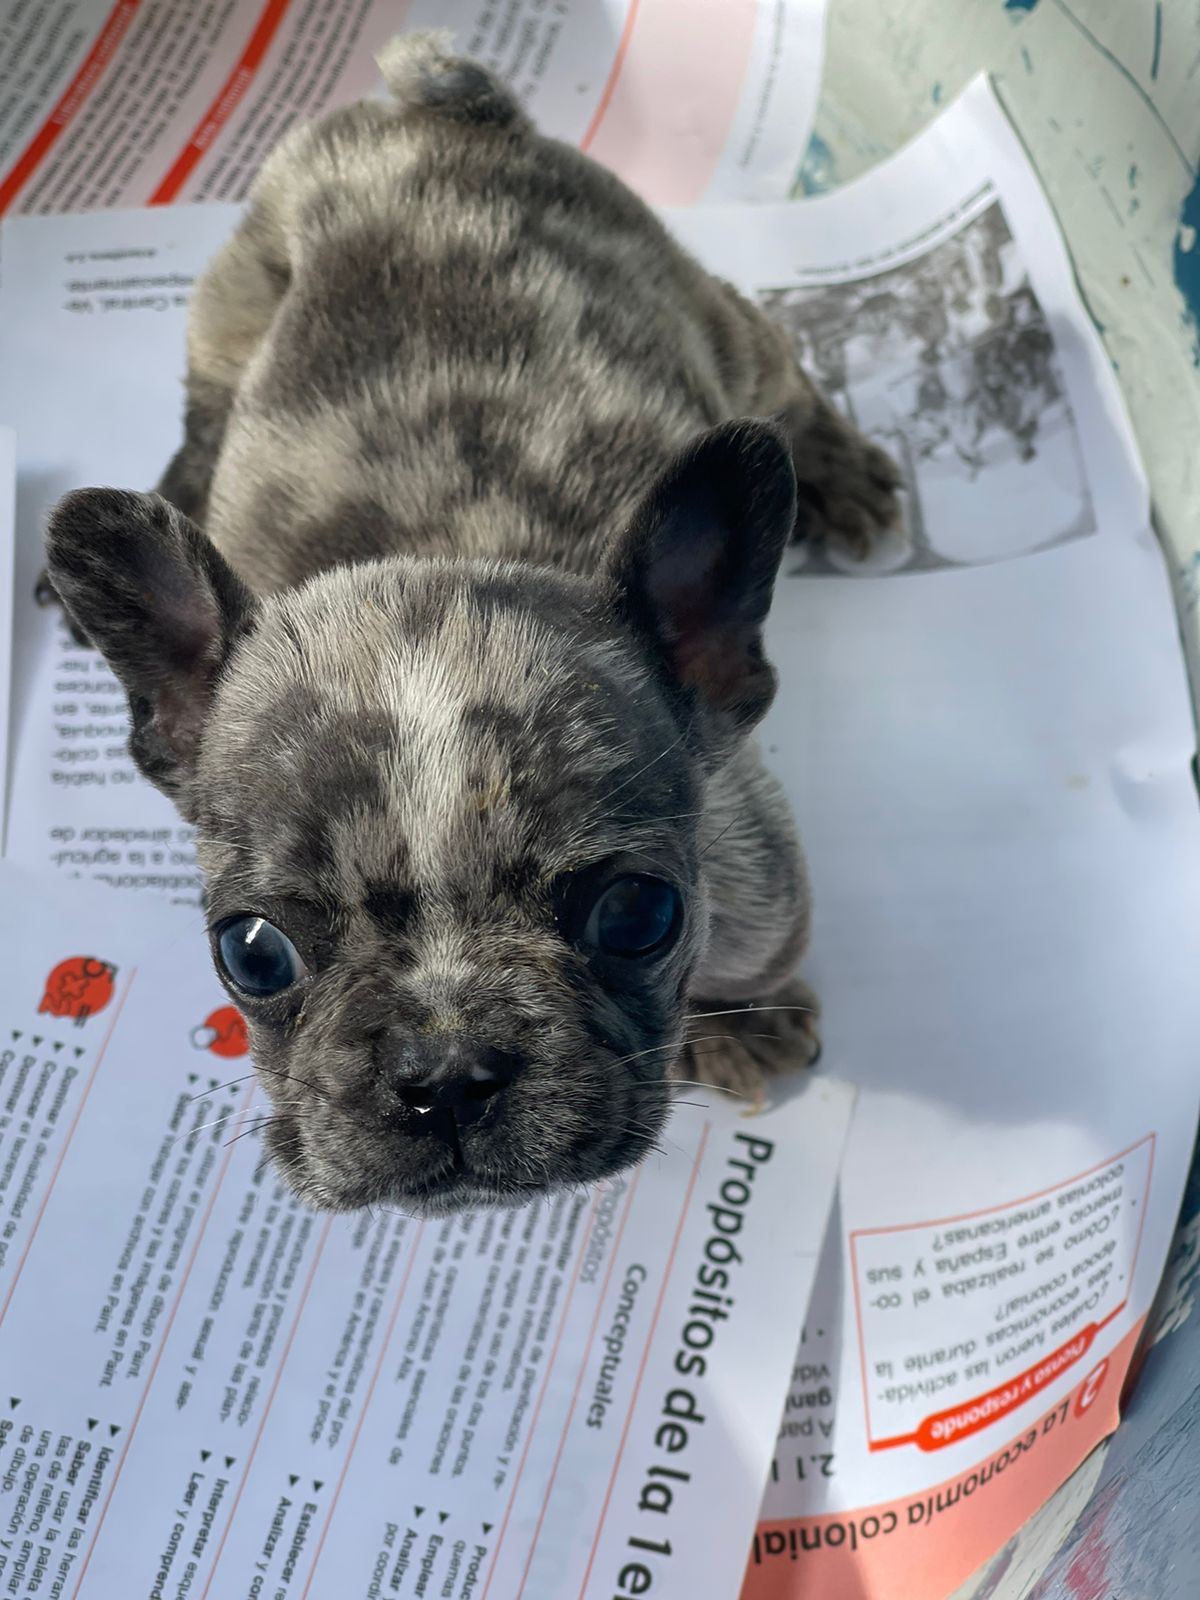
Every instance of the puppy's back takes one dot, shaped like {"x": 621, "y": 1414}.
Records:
{"x": 442, "y": 333}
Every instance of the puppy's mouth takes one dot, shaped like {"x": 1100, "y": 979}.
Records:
{"x": 437, "y": 1186}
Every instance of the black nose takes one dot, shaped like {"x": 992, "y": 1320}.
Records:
{"x": 456, "y": 1080}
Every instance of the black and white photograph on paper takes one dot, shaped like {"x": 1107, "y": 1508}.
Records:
{"x": 949, "y": 363}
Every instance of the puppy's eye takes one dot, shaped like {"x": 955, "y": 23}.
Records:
{"x": 635, "y": 916}
{"x": 258, "y": 958}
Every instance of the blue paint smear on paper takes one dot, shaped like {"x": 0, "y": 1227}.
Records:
{"x": 1157, "y": 56}
{"x": 1119, "y": 65}
{"x": 818, "y": 170}
{"x": 1020, "y": 5}
{"x": 1186, "y": 265}
{"x": 935, "y": 94}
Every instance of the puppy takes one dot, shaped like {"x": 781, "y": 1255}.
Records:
{"x": 444, "y": 629}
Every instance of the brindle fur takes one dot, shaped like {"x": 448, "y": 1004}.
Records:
{"x": 455, "y": 589}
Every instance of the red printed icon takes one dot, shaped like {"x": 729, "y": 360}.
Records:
{"x": 78, "y": 988}
{"x": 1091, "y": 1387}
{"x": 223, "y": 1032}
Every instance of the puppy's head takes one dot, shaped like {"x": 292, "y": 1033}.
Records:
{"x": 450, "y": 818}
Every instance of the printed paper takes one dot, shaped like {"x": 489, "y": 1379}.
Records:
{"x": 144, "y": 103}
{"x": 987, "y": 740}
{"x": 988, "y": 744}
{"x": 210, "y": 1390}
{"x": 8, "y": 513}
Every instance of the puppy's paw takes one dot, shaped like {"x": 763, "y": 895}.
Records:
{"x": 859, "y": 518}
{"x": 46, "y": 595}
{"x": 848, "y": 489}
{"x": 739, "y": 1049}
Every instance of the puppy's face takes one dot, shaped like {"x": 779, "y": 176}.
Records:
{"x": 450, "y": 817}
{"x": 449, "y": 832}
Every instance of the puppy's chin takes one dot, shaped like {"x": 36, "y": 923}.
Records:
{"x": 376, "y": 1173}
{"x": 467, "y": 1191}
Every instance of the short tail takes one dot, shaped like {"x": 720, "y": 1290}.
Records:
{"x": 423, "y": 76}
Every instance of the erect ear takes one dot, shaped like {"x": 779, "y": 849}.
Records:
{"x": 153, "y": 595}
{"x": 697, "y": 566}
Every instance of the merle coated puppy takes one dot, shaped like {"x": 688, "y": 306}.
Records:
{"x": 445, "y": 631}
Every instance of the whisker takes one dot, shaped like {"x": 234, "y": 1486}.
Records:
{"x": 727, "y": 1036}
{"x": 697, "y": 1083}
{"x": 667, "y": 871}
{"x": 217, "y": 1122}
{"x": 747, "y": 1010}
{"x": 637, "y": 1054}
{"x": 265, "y": 1112}
{"x": 674, "y": 816}
{"x": 232, "y": 1084}
{"x": 649, "y": 1133}
{"x": 294, "y": 1077}
{"x": 276, "y": 1072}
{"x": 661, "y": 756}
{"x": 686, "y": 1044}
{"x": 719, "y": 837}
{"x": 258, "y": 1128}
{"x": 287, "y": 1148}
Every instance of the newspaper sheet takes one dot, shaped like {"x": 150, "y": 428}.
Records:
{"x": 145, "y": 102}
{"x": 208, "y": 1390}
{"x": 8, "y": 512}
{"x": 103, "y": 299}
{"x": 988, "y": 744}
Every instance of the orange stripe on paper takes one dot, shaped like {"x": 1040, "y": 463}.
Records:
{"x": 1005, "y": 1399}
{"x": 610, "y": 86}
{"x": 383, "y": 1350}
{"x": 601, "y": 1302}
{"x": 959, "y": 1422}
{"x": 928, "y": 1543}
{"x": 80, "y": 86}
{"x": 65, "y": 1146}
{"x": 226, "y": 103}
{"x": 537, "y": 1410}
{"x": 641, "y": 1371}
{"x": 115, "y": 1475}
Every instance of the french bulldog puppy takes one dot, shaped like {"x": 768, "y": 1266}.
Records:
{"x": 444, "y": 629}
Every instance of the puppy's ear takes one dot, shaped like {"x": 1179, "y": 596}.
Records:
{"x": 696, "y": 569}
{"x": 153, "y": 595}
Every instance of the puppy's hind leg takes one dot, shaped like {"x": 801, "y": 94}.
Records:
{"x": 233, "y": 305}
{"x": 846, "y": 485}
{"x": 739, "y": 1048}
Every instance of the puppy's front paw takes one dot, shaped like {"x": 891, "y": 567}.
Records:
{"x": 740, "y": 1048}
{"x": 46, "y": 595}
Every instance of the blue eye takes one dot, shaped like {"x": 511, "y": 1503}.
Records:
{"x": 635, "y": 916}
{"x": 257, "y": 957}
